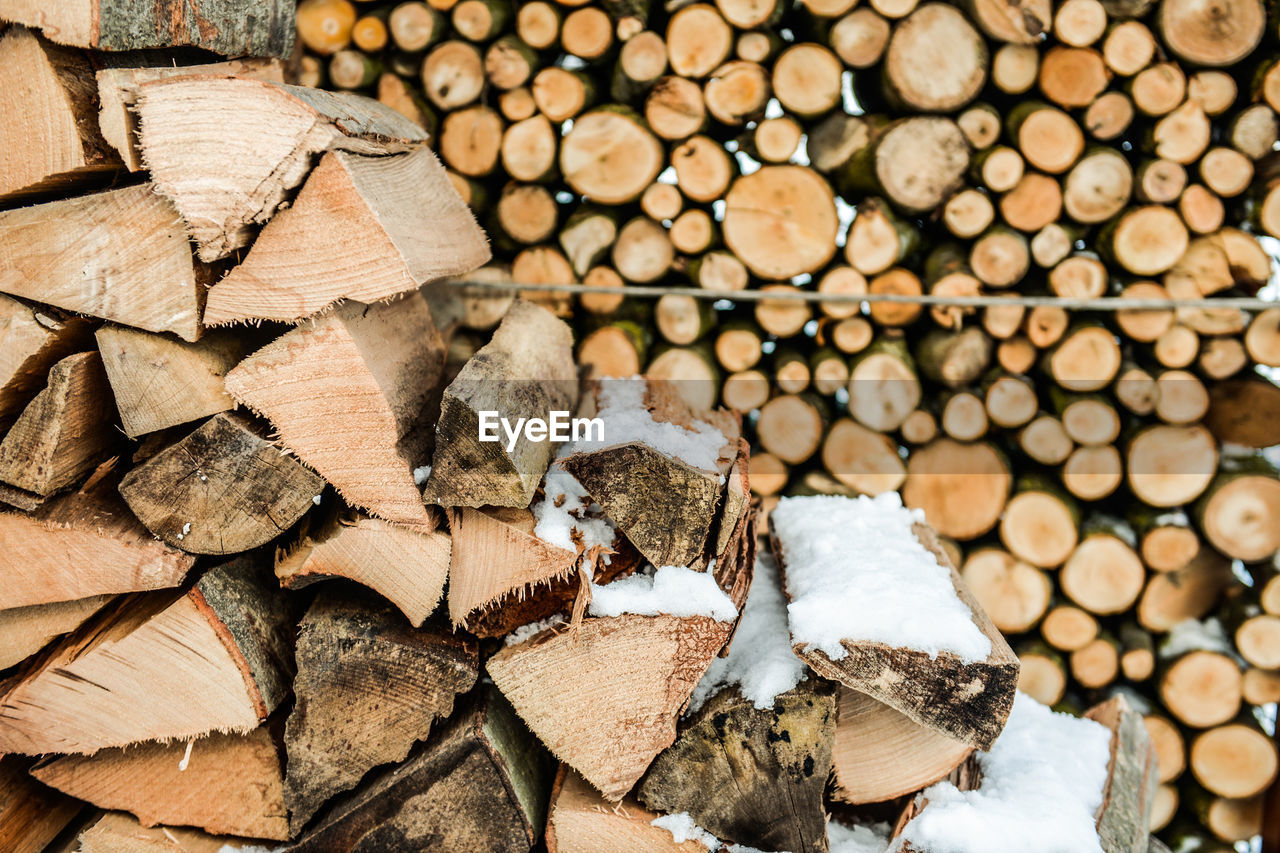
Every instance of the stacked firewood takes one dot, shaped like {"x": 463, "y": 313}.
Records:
{"x": 1080, "y": 149}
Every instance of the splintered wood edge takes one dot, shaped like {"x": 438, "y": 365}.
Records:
{"x": 1001, "y": 654}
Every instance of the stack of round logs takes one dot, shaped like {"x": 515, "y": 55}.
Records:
{"x": 1096, "y": 473}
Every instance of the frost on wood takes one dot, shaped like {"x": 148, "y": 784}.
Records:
{"x": 877, "y": 606}
{"x": 1042, "y": 783}
{"x": 669, "y": 591}
{"x": 857, "y": 572}
{"x": 760, "y": 662}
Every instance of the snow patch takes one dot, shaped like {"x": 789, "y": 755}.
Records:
{"x": 420, "y": 475}
{"x": 1192, "y": 636}
{"x": 760, "y": 661}
{"x": 682, "y": 829}
{"x": 524, "y": 632}
{"x": 669, "y": 591}
{"x": 856, "y": 571}
{"x": 1041, "y": 785}
{"x": 872, "y": 838}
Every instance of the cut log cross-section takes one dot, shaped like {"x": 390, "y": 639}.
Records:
{"x": 82, "y": 544}
{"x": 965, "y": 701}
{"x": 228, "y": 150}
{"x": 229, "y": 784}
{"x": 748, "y": 775}
{"x": 61, "y": 435}
{"x": 497, "y": 554}
{"x": 879, "y": 753}
{"x": 362, "y": 228}
{"x": 221, "y": 490}
{"x": 368, "y": 687}
{"x": 480, "y": 783}
{"x": 525, "y": 371}
{"x": 228, "y": 27}
{"x": 634, "y": 672}
{"x": 378, "y": 364}
{"x": 406, "y": 564}
{"x": 157, "y": 667}
{"x": 121, "y": 255}
{"x": 159, "y": 382}
{"x": 49, "y": 139}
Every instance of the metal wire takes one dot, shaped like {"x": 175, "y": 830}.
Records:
{"x": 1069, "y": 303}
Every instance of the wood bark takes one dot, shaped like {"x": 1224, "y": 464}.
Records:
{"x": 368, "y": 687}
{"x": 222, "y": 489}
{"x": 526, "y": 370}
{"x": 936, "y": 692}
{"x": 750, "y": 775}
{"x": 1128, "y": 794}
{"x": 480, "y": 783}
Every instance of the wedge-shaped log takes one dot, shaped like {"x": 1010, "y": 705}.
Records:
{"x": 666, "y": 507}
{"x": 480, "y": 783}
{"x": 118, "y": 95}
{"x": 223, "y": 489}
{"x": 406, "y": 564}
{"x": 967, "y": 701}
{"x": 525, "y": 371}
{"x": 380, "y": 366}
{"x": 1127, "y": 799}
{"x": 31, "y": 342}
{"x": 229, "y": 27}
{"x": 880, "y": 753}
{"x": 156, "y": 667}
{"x": 121, "y": 255}
{"x": 229, "y": 784}
{"x": 82, "y": 544}
{"x": 61, "y": 435}
{"x": 117, "y": 832}
{"x": 497, "y": 554}
{"x": 227, "y": 151}
{"x": 31, "y": 815}
{"x": 583, "y": 821}
{"x": 49, "y": 139}
{"x": 634, "y": 674}
{"x": 750, "y": 775}
{"x": 368, "y": 687}
{"x": 159, "y": 382}
{"x": 363, "y": 228}
{"x": 26, "y": 630}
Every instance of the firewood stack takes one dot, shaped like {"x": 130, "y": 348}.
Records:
{"x": 1077, "y": 149}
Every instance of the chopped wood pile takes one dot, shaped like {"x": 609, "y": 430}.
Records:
{"x": 1094, "y": 475}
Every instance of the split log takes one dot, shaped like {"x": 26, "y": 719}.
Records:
{"x": 228, "y": 784}
{"x": 496, "y": 554}
{"x": 381, "y": 364}
{"x": 32, "y": 340}
{"x": 231, "y": 28}
{"x": 193, "y": 132}
{"x": 967, "y": 702}
{"x": 406, "y": 564}
{"x": 880, "y": 754}
{"x": 480, "y": 783}
{"x": 582, "y": 821}
{"x": 117, "y": 832}
{"x": 361, "y": 228}
{"x": 223, "y": 489}
{"x": 49, "y": 140}
{"x": 1128, "y": 794}
{"x": 748, "y": 775}
{"x": 121, "y": 255}
{"x": 61, "y": 435}
{"x": 159, "y": 382}
{"x": 638, "y": 671}
{"x": 368, "y": 687}
{"x": 639, "y": 486}
{"x": 26, "y": 630}
{"x": 31, "y": 815}
{"x": 526, "y": 370}
{"x": 118, "y": 95}
{"x": 229, "y": 671}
